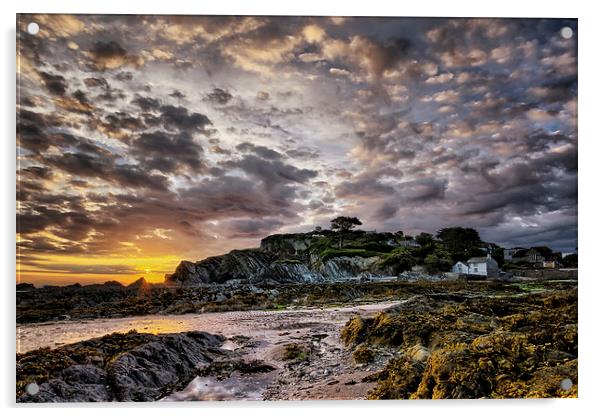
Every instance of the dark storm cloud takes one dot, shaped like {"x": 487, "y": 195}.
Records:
{"x": 68, "y": 225}
{"x": 219, "y": 96}
{"x": 560, "y": 89}
{"x": 147, "y": 103}
{"x": 96, "y": 82}
{"x": 55, "y": 84}
{"x": 363, "y": 186}
{"x": 81, "y": 97}
{"x": 232, "y": 196}
{"x": 261, "y": 151}
{"x": 124, "y": 76}
{"x": 422, "y": 190}
{"x": 105, "y": 168}
{"x": 303, "y": 153}
{"x": 252, "y": 228}
{"x": 168, "y": 152}
{"x": 37, "y": 172}
{"x": 383, "y": 56}
{"x": 116, "y": 122}
{"x": 28, "y": 189}
{"x": 178, "y": 118}
{"x": 271, "y": 172}
{"x": 112, "y": 94}
{"x": 178, "y": 95}
{"x": 43, "y": 245}
{"x": 31, "y": 130}
{"x": 111, "y": 55}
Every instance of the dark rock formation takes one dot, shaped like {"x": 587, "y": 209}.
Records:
{"x": 117, "y": 367}
{"x": 238, "y": 264}
{"x": 293, "y": 258}
{"x": 139, "y": 284}
{"x": 287, "y": 273}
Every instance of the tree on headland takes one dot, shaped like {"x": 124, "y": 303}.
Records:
{"x": 462, "y": 243}
{"x": 570, "y": 260}
{"x": 342, "y": 225}
{"x": 424, "y": 239}
{"x": 399, "y": 236}
{"x": 439, "y": 261}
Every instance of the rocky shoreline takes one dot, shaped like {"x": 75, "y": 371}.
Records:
{"x": 471, "y": 341}
{"x": 116, "y": 367}
{"x": 113, "y": 300}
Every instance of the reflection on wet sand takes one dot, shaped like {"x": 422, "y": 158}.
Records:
{"x": 54, "y": 334}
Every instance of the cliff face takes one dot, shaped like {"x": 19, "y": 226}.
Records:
{"x": 294, "y": 258}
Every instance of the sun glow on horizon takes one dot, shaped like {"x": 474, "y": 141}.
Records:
{"x": 57, "y": 269}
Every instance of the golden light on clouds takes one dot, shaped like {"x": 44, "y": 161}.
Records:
{"x": 147, "y": 140}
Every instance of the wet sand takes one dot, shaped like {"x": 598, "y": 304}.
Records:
{"x": 253, "y": 335}
{"x": 257, "y": 324}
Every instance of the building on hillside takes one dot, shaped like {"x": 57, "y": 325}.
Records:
{"x": 537, "y": 256}
{"x": 532, "y": 255}
{"x": 409, "y": 243}
{"x": 483, "y": 266}
{"x": 551, "y": 264}
{"x": 460, "y": 267}
{"x": 510, "y": 252}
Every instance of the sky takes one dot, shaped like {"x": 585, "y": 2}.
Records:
{"x": 146, "y": 140}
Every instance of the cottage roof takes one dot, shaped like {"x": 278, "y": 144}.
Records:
{"x": 478, "y": 260}
{"x": 521, "y": 253}
{"x": 542, "y": 250}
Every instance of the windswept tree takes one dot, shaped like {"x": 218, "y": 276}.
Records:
{"x": 342, "y": 225}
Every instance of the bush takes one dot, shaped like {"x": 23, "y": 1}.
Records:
{"x": 400, "y": 260}
{"x": 438, "y": 262}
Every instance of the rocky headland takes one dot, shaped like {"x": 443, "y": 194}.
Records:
{"x": 312, "y": 257}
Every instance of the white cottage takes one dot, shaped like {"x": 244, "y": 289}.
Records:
{"x": 483, "y": 266}
{"x": 460, "y": 267}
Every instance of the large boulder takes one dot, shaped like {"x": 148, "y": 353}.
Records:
{"x": 121, "y": 367}
{"x": 144, "y": 373}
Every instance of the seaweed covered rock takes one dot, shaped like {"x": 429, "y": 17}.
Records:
{"x": 116, "y": 367}
{"x": 478, "y": 347}
{"x": 363, "y": 354}
{"x": 354, "y": 330}
{"x": 398, "y": 380}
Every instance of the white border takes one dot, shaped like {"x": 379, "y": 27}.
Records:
{"x": 590, "y": 234}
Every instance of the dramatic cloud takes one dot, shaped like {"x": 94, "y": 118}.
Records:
{"x": 111, "y": 55}
{"x": 143, "y": 140}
